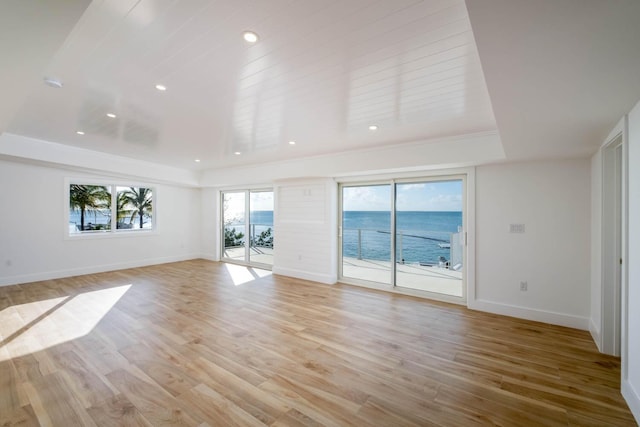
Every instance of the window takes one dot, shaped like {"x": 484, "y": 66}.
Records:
{"x": 134, "y": 207}
{"x": 101, "y": 209}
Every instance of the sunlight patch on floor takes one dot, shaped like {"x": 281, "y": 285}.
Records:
{"x": 39, "y": 325}
{"x": 15, "y": 317}
{"x": 241, "y": 274}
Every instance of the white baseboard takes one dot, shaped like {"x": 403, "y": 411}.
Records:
{"x": 58, "y": 274}
{"x": 633, "y": 399}
{"x": 561, "y": 319}
{"x": 209, "y": 257}
{"x": 595, "y": 334}
{"x": 301, "y": 274}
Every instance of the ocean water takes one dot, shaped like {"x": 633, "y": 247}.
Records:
{"x": 100, "y": 217}
{"x": 262, "y": 218}
{"x": 94, "y": 217}
{"x": 418, "y": 235}
{"x": 260, "y": 221}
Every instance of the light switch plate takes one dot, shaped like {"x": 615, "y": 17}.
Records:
{"x": 516, "y": 228}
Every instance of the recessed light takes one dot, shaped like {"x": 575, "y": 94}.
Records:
{"x": 237, "y": 153}
{"x": 373, "y": 127}
{"x": 111, "y": 115}
{"x": 292, "y": 143}
{"x": 197, "y": 160}
{"x": 79, "y": 132}
{"x": 250, "y": 37}
{"x": 161, "y": 87}
{"x": 51, "y": 82}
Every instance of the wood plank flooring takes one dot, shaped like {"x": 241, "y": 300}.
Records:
{"x": 181, "y": 344}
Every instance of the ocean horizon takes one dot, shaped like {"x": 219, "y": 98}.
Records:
{"x": 423, "y": 235}
{"x": 98, "y": 217}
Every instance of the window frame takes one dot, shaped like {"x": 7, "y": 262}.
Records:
{"x": 113, "y": 232}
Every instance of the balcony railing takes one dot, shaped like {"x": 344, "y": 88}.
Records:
{"x": 424, "y": 247}
{"x": 260, "y": 235}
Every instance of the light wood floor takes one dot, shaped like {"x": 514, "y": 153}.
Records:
{"x": 181, "y": 344}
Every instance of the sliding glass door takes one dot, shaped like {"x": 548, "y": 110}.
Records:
{"x": 234, "y": 225}
{"x": 428, "y": 236}
{"x": 406, "y": 234}
{"x": 261, "y": 227}
{"x": 366, "y": 227}
{"x": 247, "y": 238}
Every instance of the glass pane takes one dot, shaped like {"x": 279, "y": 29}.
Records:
{"x": 428, "y": 236}
{"x": 366, "y": 233}
{"x": 261, "y": 227}
{"x": 233, "y": 218}
{"x": 89, "y": 208}
{"x": 134, "y": 208}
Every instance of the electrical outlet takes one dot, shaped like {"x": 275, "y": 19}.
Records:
{"x": 523, "y": 286}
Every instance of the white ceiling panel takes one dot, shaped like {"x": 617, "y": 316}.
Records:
{"x": 30, "y": 34}
{"x": 320, "y": 74}
{"x": 561, "y": 73}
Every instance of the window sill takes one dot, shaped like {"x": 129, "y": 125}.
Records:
{"x": 111, "y": 235}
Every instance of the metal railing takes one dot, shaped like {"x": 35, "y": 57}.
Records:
{"x": 260, "y": 235}
{"x": 425, "y": 247}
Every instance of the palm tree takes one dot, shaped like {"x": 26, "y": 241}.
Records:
{"x": 88, "y": 198}
{"x": 122, "y": 212}
{"x": 141, "y": 199}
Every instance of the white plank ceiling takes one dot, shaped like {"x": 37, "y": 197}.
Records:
{"x": 321, "y": 73}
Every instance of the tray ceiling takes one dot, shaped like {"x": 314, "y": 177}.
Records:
{"x": 321, "y": 73}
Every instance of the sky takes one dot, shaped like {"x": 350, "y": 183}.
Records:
{"x": 424, "y": 196}
{"x": 427, "y": 196}
{"x": 235, "y": 203}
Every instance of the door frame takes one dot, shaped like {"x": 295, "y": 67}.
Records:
{"x": 614, "y": 284}
{"x": 247, "y": 225}
{"x": 362, "y": 282}
{"x": 469, "y": 206}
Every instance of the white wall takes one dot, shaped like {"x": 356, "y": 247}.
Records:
{"x": 32, "y": 229}
{"x": 460, "y": 151}
{"x": 66, "y": 156}
{"x": 596, "y": 248}
{"x": 210, "y": 224}
{"x": 552, "y": 200}
{"x": 306, "y": 230}
{"x": 631, "y": 383}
